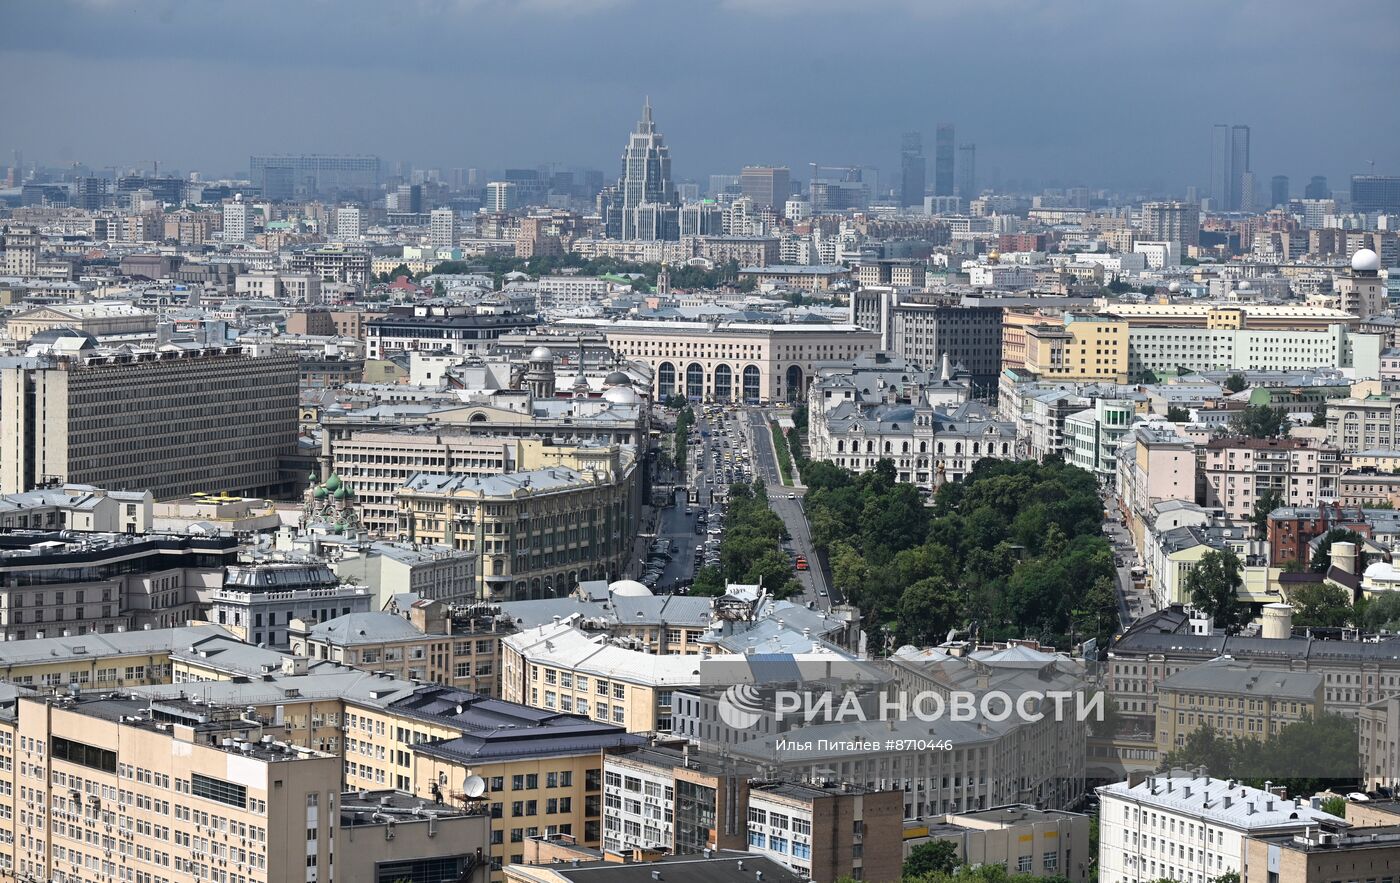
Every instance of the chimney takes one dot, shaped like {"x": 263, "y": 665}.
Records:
{"x": 1344, "y": 557}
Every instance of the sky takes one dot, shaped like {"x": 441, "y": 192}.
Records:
{"x": 1101, "y": 93}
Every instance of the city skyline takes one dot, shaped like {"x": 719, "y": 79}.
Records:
{"x": 481, "y": 116}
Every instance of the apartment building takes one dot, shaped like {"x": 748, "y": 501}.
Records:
{"x": 77, "y": 507}
{"x": 923, "y": 329}
{"x": 1240, "y": 471}
{"x": 1092, "y": 436}
{"x": 1236, "y": 699}
{"x": 1186, "y": 827}
{"x": 1364, "y": 424}
{"x": 1165, "y": 350}
{"x": 1154, "y": 464}
{"x": 171, "y": 422}
{"x": 423, "y": 643}
{"x": 1291, "y": 529}
{"x": 539, "y": 532}
{"x": 57, "y": 583}
{"x": 101, "y": 319}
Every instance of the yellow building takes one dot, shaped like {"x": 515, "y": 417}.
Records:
{"x": 1086, "y": 347}
{"x": 99, "y": 661}
{"x": 1235, "y": 699}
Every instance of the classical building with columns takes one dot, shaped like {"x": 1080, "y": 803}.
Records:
{"x": 746, "y": 362}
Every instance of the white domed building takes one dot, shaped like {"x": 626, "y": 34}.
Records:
{"x": 1361, "y": 291}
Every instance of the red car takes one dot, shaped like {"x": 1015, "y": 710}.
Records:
{"x": 801, "y": 563}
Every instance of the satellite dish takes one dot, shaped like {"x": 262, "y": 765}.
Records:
{"x": 473, "y": 786}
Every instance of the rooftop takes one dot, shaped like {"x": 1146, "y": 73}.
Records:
{"x": 1218, "y": 801}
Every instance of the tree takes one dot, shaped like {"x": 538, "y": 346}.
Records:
{"x": 1236, "y": 382}
{"x": 1212, "y": 585}
{"x": 709, "y": 581}
{"x": 927, "y": 610}
{"x": 933, "y": 857}
{"x": 1319, "y": 418}
{"x": 1322, "y": 557}
{"x": 439, "y": 290}
{"x": 1336, "y": 806}
{"x": 1178, "y": 414}
{"x": 1383, "y": 612}
{"x": 1268, "y": 501}
{"x": 1260, "y": 421}
{"x": 1321, "y": 604}
{"x": 1097, "y": 615}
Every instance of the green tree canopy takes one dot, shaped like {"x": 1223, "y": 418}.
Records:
{"x": 1212, "y": 585}
{"x": 1321, "y": 604}
{"x": 1260, "y": 421}
{"x": 933, "y": 857}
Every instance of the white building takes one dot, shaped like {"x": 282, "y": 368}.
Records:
{"x": 348, "y": 223}
{"x": 1189, "y": 828}
{"x": 572, "y": 292}
{"x": 442, "y": 232}
{"x": 1160, "y": 255}
{"x": 238, "y": 222}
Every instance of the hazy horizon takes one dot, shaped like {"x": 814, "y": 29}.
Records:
{"x": 1049, "y": 91}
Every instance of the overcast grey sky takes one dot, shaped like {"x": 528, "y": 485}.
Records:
{"x": 1096, "y": 92}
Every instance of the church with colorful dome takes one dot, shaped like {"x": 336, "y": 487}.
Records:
{"x": 329, "y": 506}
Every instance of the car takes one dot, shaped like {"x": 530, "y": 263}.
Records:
{"x": 792, "y": 496}
{"x": 822, "y": 592}
{"x": 801, "y": 563}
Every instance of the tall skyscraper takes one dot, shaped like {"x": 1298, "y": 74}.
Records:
{"x": 646, "y": 172}
{"x": 501, "y": 197}
{"x": 967, "y": 172}
{"x": 1317, "y": 188}
{"x": 1229, "y": 160}
{"x": 767, "y": 186}
{"x": 943, "y": 160}
{"x": 1278, "y": 191}
{"x": 913, "y": 169}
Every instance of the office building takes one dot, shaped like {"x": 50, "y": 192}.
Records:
{"x": 1018, "y": 838}
{"x": 258, "y": 602}
{"x": 457, "y": 330}
{"x": 1177, "y": 222}
{"x": 1317, "y": 188}
{"x": 768, "y": 186}
{"x": 238, "y": 220}
{"x": 55, "y": 583}
{"x": 1235, "y": 699}
{"x": 443, "y": 228}
{"x": 967, "y": 172}
{"x": 735, "y": 361}
{"x": 1278, "y": 191}
{"x": 1324, "y": 853}
{"x": 943, "y": 184}
{"x": 539, "y": 532}
{"x": 306, "y": 176}
{"x": 349, "y": 223}
{"x": 172, "y": 422}
{"x": 1376, "y": 193}
{"x": 1181, "y": 826}
{"x": 646, "y": 173}
{"x": 501, "y": 197}
{"x": 913, "y": 170}
{"x": 1229, "y": 162}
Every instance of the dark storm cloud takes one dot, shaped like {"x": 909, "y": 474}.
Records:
{"x": 1108, "y": 92}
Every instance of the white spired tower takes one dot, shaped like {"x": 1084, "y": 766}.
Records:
{"x": 646, "y": 172}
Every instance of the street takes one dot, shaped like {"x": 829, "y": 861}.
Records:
{"x": 1132, "y": 602}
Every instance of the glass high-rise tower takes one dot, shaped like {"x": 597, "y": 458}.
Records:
{"x": 646, "y": 172}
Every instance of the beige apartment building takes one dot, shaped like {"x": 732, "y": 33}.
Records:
{"x": 539, "y": 532}
{"x": 1236, "y": 699}
{"x": 169, "y": 422}
{"x": 738, "y": 361}
{"x": 1020, "y": 838}
{"x": 1323, "y": 854}
{"x": 1085, "y": 347}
